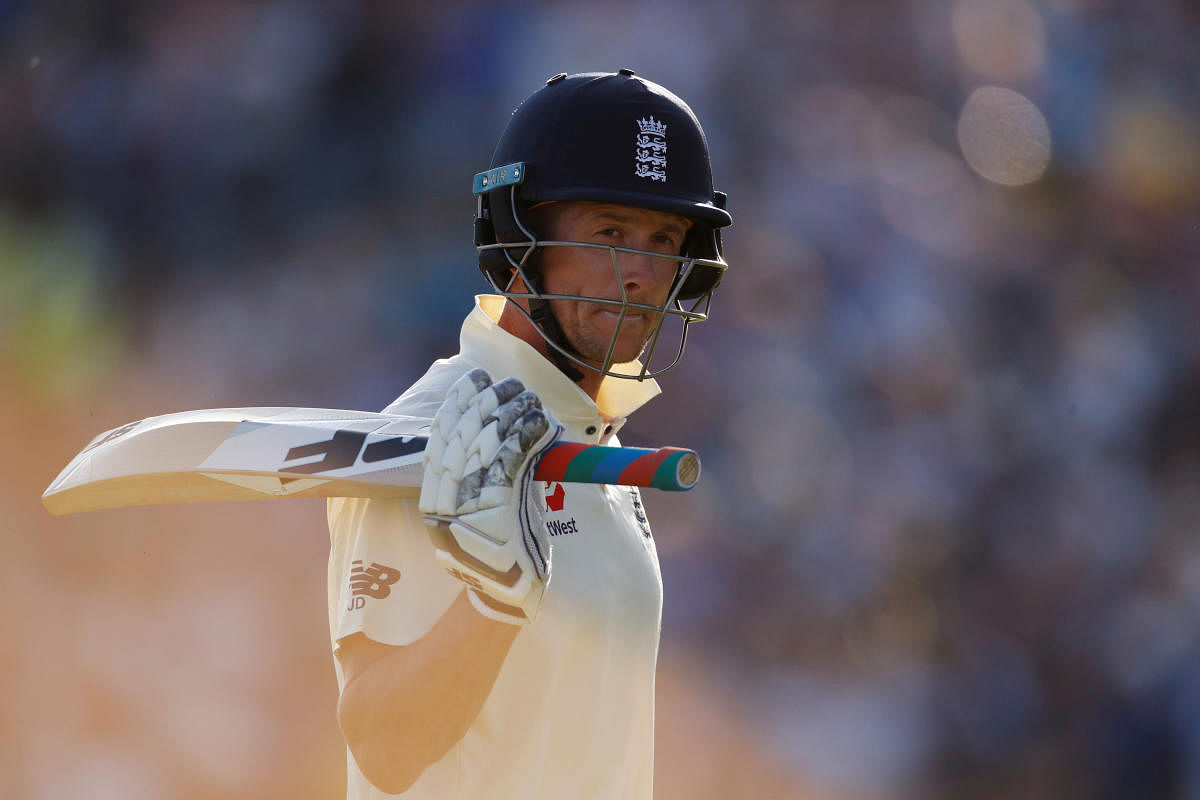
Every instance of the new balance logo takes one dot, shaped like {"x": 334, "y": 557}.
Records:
{"x": 373, "y": 581}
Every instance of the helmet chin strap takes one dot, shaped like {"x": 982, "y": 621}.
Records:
{"x": 542, "y": 316}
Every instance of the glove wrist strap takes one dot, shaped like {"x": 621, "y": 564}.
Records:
{"x": 495, "y": 610}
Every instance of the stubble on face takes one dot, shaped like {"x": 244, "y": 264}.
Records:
{"x": 590, "y": 327}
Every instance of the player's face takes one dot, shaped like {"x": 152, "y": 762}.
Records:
{"x": 589, "y": 272}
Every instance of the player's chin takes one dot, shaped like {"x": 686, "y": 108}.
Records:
{"x": 627, "y": 348}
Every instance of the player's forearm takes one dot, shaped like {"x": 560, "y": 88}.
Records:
{"x": 407, "y": 707}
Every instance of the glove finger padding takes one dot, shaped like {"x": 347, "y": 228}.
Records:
{"x": 458, "y": 398}
{"x": 463, "y": 418}
{"x": 509, "y": 457}
{"x": 478, "y": 495}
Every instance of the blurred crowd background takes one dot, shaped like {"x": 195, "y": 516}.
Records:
{"x": 944, "y": 545}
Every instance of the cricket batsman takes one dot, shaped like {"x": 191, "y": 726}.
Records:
{"x": 497, "y": 638}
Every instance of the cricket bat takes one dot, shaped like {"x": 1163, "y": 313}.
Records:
{"x": 221, "y": 454}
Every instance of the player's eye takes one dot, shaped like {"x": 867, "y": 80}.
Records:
{"x": 668, "y": 241}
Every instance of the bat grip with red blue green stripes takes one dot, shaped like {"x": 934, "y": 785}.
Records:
{"x": 674, "y": 469}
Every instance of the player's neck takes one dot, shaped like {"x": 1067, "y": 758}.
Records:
{"x": 516, "y": 323}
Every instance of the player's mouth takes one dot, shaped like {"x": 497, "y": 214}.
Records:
{"x": 616, "y": 315}
{"x": 635, "y": 321}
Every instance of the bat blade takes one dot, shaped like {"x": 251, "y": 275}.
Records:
{"x": 243, "y": 454}
{"x": 216, "y": 455}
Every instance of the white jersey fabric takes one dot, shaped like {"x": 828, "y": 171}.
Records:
{"x": 571, "y": 714}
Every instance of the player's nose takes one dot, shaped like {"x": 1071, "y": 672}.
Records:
{"x": 635, "y": 267}
{"x": 641, "y": 272}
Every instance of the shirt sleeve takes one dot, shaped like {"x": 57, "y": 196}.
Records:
{"x": 384, "y": 580}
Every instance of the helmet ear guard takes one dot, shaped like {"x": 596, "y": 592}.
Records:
{"x": 496, "y": 226}
{"x": 703, "y": 242}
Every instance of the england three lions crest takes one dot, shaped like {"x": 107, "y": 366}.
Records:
{"x": 651, "y": 150}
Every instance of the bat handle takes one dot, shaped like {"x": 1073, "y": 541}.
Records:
{"x": 674, "y": 469}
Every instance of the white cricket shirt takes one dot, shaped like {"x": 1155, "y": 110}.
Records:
{"x": 583, "y": 672}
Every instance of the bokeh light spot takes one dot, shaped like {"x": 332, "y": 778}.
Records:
{"x": 1004, "y": 136}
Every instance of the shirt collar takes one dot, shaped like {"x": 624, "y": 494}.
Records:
{"x": 483, "y": 341}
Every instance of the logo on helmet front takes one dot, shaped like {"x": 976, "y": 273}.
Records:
{"x": 651, "y": 150}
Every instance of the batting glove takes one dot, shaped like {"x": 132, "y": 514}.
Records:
{"x": 478, "y": 495}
